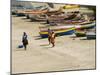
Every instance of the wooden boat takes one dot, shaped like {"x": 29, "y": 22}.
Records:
{"x": 91, "y": 35}
{"x": 80, "y": 33}
{"x": 68, "y": 21}
{"x": 44, "y": 34}
{"x": 29, "y": 14}
{"x": 24, "y": 11}
{"x": 54, "y": 12}
{"x": 20, "y": 13}
{"x": 38, "y": 17}
{"x": 54, "y": 28}
{"x": 35, "y": 11}
{"x": 59, "y": 27}
{"x": 88, "y": 26}
{"x": 61, "y": 18}
{"x": 73, "y": 21}
{"x": 71, "y": 6}
{"x": 45, "y": 16}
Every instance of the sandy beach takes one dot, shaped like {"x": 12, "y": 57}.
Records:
{"x": 68, "y": 54}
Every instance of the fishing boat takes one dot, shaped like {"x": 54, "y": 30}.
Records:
{"x": 91, "y": 35}
{"x": 54, "y": 28}
{"x": 88, "y": 26}
{"x": 38, "y": 17}
{"x": 71, "y": 6}
{"x": 36, "y": 11}
{"x": 42, "y": 17}
{"x": 20, "y": 11}
{"x": 62, "y": 18}
{"x": 65, "y": 21}
{"x": 44, "y": 34}
{"x": 59, "y": 27}
{"x": 73, "y": 21}
{"x": 45, "y": 16}
{"x": 30, "y": 13}
{"x": 80, "y": 33}
{"x": 54, "y": 12}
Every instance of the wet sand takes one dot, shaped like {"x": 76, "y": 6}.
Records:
{"x": 68, "y": 54}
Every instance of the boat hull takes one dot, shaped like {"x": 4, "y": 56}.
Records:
{"x": 80, "y": 34}
{"x": 69, "y": 32}
{"x": 76, "y": 27}
{"x": 91, "y": 35}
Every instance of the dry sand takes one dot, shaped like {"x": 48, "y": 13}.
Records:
{"x": 68, "y": 54}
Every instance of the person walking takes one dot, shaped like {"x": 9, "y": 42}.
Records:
{"x": 25, "y": 40}
{"x": 53, "y": 39}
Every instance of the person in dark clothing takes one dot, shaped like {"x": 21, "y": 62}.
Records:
{"x": 25, "y": 40}
{"x": 47, "y": 21}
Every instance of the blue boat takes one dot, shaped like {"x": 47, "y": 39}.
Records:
{"x": 89, "y": 26}
{"x": 59, "y": 32}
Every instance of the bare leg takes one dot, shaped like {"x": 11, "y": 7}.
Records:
{"x": 53, "y": 44}
{"x": 49, "y": 41}
{"x": 74, "y": 38}
{"x": 25, "y": 47}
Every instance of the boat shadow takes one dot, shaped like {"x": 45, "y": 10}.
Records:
{"x": 80, "y": 38}
{"x": 43, "y": 23}
{"x": 86, "y": 39}
{"x": 48, "y": 47}
{"x": 73, "y": 37}
{"x": 20, "y": 49}
{"x": 24, "y": 18}
{"x": 27, "y": 20}
{"x": 38, "y": 38}
{"x": 44, "y": 44}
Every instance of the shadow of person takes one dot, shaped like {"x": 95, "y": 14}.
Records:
{"x": 45, "y": 45}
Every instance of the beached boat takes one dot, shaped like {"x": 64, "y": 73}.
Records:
{"x": 30, "y": 14}
{"x": 38, "y": 17}
{"x": 63, "y": 21}
{"x": 59, "y": 27}
{"x": 42, "y": 17}
{"x": 44, "y": 34}
{"x": 91, "y": 35}
{"x": 35, "y": 11}
{"x": 54, "y": 28}
{"x": 73, "y": 21}
{"x": 80, "y": 33}
{"x": 62, "y": 18}
{"x": 20, "y": 11}
{"x": 50, "y": 15}
{"x": 54, "y": 12}
{"x": 45, "y": 17}
{"x": 88, "y": 26}
{"x": 71, "y": 6}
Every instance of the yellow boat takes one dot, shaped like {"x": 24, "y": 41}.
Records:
{"x": 71, "y": 6}
{"x": 69, "y": 31}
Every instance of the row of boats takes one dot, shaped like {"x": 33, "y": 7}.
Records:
{"x": 78, "y": 30}
{"x": 62, "y": 23}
